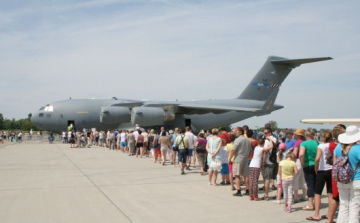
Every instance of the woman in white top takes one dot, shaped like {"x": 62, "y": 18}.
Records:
{"x": 323, "y": 167}
{"x": 101, "y": 138}
{"x": 255, "y": 166}
{"x": 123, "y": 141}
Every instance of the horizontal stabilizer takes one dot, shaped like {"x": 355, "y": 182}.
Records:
{"x": 298, "y": 62}
{"x": 270, "y": 101}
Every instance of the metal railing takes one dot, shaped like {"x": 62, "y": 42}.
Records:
{"x": 27, "y": 138}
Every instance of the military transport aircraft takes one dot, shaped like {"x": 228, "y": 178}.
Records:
{"x": 257, "y": 99}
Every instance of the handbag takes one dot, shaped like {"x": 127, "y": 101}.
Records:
{"x": 176, "y": 147}
{"x": 216, "y": 163}
{"x": 200, "y": 149}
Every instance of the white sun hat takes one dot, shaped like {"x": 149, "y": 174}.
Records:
{"x": 351, "y": 135}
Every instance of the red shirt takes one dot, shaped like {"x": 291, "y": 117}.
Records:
{"x": 253, "y": 145}
{"x": 332, "y": 147}
{"x": 225, "y": 136}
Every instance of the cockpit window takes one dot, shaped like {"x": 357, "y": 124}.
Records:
{"x": 42, "y": 108}
{"x": 49, "y": 108}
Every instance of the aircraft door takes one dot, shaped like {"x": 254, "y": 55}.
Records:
{"x": 71, "y": 122}
{"x": 188, "y": 122}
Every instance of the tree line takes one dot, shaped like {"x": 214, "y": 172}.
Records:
{"x": 21, "y": 124}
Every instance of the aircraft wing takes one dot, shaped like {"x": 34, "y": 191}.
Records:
{"x": 192, "y": 108}
{"x": 345, "y": 121}
{"x": 215, "y": 108}
{"x": 128, "y": 104}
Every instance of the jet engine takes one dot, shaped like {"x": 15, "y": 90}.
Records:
{"x": 149, "y": 116}
{"x": 114, "y": 114}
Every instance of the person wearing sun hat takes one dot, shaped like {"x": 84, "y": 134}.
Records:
{"x": 349, "y": 193}
{"x": 299, "y": 179}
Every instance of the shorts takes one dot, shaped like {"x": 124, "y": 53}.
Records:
{"x": 139, "y": 144}
{"x": 231, "y": 168}
{"x": 182, "y": 156}
{"x": 323, "y": 177}
{"x": 96, "y": 139}
{"x": 131, "y": 145}
{"x": 224, "y": 169}
{"x": 100, "y": 140}
{"x": 240, "y": 169}
{"x": 164, "y": 148}
{"x": 201, "y": 158}
{"x": 270, "y": 172}
{"x": 123, "y": 144}
{"x": 190, "y": 152}
{"x": 118, "y": 143}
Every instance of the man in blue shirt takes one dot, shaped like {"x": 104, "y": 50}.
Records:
{"x": 290, "y": 141}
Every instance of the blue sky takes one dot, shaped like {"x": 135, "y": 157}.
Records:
{"x": 166, "y": 50}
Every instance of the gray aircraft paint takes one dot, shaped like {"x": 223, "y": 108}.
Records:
{"x": 257, "y": 99}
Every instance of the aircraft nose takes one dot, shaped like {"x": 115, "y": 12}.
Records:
{"x": 35, "y": 119}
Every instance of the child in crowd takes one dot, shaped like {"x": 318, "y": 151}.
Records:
{"x": 225, "y": 164}
{"x": 280, "y": 156}
{"x": 287, "y": 168}
{"x": 255, "y": 166}
{"x": 229, "y": 148}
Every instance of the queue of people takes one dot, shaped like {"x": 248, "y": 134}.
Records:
{"x": 288, "y": 161}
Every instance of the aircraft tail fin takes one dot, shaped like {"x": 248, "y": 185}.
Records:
{"x": 271, "y": 75}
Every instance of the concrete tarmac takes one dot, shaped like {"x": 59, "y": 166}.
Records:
{"x": 54, "y": 183}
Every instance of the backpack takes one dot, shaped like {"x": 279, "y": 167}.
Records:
{"x": 343, "y": 172}
{"x": 272, "y": 154}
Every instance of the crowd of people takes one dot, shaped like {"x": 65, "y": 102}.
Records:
{"x": 19, "y": 136}
{"x": 288, "y": 161}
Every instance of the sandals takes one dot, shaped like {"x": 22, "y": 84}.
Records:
{"x": 312, "y": 219}
{"x": 265, "y": 198}
{"x": 307, "y": 208}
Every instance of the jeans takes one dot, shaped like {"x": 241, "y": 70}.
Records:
{"x": 310, "y": 179}
{"x": 349, "y": 202}
{"x": 182, "y": 156}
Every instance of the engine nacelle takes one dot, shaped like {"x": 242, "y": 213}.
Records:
{"x": 149, "y": 116}
{"x": 114, "y": 114}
